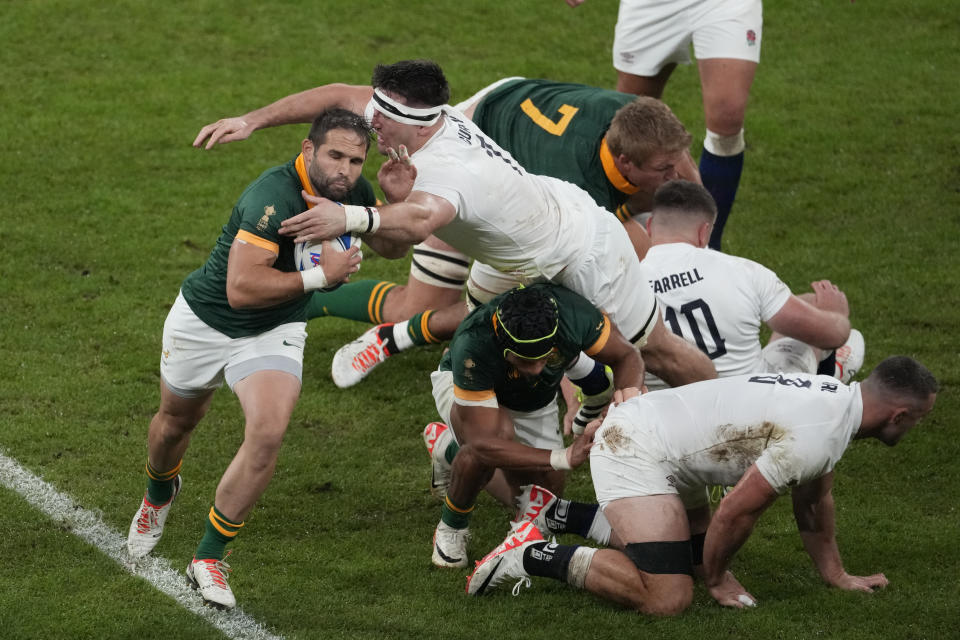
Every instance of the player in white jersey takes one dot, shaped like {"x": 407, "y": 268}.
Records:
{"x": 655, "y": 454}
{"x": 472, "y": 194}
{"x": 653, "y": 36}
{"x": 719, "y": 302}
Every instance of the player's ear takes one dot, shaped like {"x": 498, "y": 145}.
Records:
{"x": 307, "y": 148}
{"x": 703, "y": 233}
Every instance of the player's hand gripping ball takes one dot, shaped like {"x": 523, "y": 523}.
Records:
{"x": 306, "y": 255}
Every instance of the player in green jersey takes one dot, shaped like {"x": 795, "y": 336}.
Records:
{"x": 241, "y": 318}
{"x": 618, "y": 147}
{"x": 497, "y": 386}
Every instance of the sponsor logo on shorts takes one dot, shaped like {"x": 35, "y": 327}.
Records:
{"x": 751, "y": 38}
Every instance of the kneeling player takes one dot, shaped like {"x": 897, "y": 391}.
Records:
{"x": 654, "y": 455}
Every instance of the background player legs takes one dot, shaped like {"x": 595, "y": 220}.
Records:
{"x": 725, "y": 86}
{"x": 645, "y": 85}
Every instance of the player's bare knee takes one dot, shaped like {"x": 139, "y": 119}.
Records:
{"x": 666, "y": 570}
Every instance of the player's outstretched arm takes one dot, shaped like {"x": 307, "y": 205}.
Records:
{"x": 813, "y": 510}
{"x": 410, "y": 222}
{"x": 296, "y": 108}
{"x": 729, "y": 528}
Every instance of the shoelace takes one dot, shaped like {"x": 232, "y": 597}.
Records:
{"x": 216, "y": 569}
{"x": 522, "y": 582}
{"x": 368, "y": 358}
{"x": 147, "y": 519}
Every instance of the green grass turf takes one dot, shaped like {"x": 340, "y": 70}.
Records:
{"x": 851, "y": 174}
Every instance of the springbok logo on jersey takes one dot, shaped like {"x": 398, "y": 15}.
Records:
{"x": 268, "y": 211}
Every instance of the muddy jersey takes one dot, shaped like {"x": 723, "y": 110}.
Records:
{"x": 557, "y": 129}
{"x": 480, "y": 372}
{"x": 794, "y": 427}
{"x": 264, "y": 204}
{"x": 716, "y": 301}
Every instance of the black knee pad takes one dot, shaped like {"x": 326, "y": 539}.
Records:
{"x": 661, "y": 557}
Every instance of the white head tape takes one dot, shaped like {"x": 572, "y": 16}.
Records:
{"x": 402, "y": 113}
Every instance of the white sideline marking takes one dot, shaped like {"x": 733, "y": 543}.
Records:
{"x": 89, "y": 526}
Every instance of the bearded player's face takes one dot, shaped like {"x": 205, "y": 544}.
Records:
{"x": 335, "y": 165}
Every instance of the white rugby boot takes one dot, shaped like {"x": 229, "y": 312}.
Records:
{"x": 450, "y": 546}
{"x": 505, "y": 562}
{"x": 147, "y": 525}
{"x": 850, "y": 357}
{"x": 209, "y": 577}
{"x": 355, "y": 360}
{"x": 437, "y": 436}
{"x": 533, "y": 503}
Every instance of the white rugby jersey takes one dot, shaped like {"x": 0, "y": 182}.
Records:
{"x": 514, "y": 221}
{"x": 794, "y": 426}
{"x": 715, "y": 301}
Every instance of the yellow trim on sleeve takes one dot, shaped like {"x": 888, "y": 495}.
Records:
{"x": 613, "y": 174}
{"x": 263, "y": 243}
{"x": 601, "y": 342}
{"x": 473, "y": 396}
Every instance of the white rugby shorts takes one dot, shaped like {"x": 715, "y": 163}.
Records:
{"x": 197, "y": 358}
{"x": 653, "y": 33}
{"x": 626, "y": 461}
{"x": 539, "y": 429}
{"x": 610, "y": 276}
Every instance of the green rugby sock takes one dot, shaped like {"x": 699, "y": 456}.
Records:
{"x": 160, "y": 484}
{"x": 219, "y": 532}
{"x": 454, "y": 515}
{"x": 362, "y": 301}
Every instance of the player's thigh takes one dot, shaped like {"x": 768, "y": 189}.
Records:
{"x": 265, "y": 371}
{"x": 726, "y": 41}
{"x": 648, "y": 518}
{"x": 438, "y": 273}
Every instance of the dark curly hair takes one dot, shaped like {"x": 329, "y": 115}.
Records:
{"x": 527, "y": 319}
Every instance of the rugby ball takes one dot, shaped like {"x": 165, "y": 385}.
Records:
{"x": 306, "y": 255}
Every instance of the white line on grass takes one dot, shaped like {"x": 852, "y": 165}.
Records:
{"x": 157, "y": 571}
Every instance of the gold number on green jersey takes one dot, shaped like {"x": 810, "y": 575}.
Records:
{"x": 556, "y": 128}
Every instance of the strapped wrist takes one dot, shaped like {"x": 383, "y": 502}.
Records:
{"x": 361, "y": 219}
{"x": 313, "y": 279}
{"x": 559, "y": 460}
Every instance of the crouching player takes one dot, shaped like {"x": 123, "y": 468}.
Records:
{"x": 497, "y": 388}
{"x": 655, "y": 454}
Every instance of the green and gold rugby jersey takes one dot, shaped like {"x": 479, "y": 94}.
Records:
{"x": 557, "y": 129}
{"x": 268, "y": 201}
{"x": 480, "y": 371}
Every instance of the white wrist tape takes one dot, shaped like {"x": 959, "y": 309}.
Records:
{"x": 361, "y": 219}
{"x": 313, "y": 279}
{"x": 558, "y": 460}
